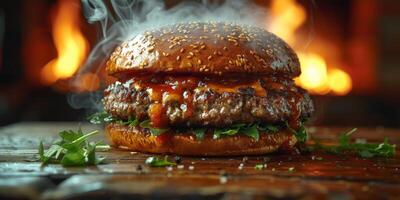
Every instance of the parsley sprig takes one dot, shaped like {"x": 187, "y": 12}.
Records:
{"x": 301, "y": 134}
{"x": 154, "y": 131}
{"x": 104, "y": 117}
{"x": 364, "y": 150}
{"x": 73, "y": 150}
{"x": 101, "y": 118}
{"x": 252, "y": 130}
{"x": 158, "y": 162}
{"x": 249, "y": 130}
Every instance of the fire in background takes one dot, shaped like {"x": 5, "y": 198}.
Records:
{"x": 287, "y": 16}
{"x": 317, "y": 76}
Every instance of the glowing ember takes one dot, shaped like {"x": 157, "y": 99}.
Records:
{"x": 317, "y": 76}
{"x": 70, "y": 43}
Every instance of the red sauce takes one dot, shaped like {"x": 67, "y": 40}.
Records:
{"x": 164, "y": 137}
{"x": 180, "y": 88}
{"x": 294, "y": 120}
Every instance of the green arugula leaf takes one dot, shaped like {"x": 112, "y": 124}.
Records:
{"x": 157, "y": 162}
{"x": 101, "y": 118}
{"x": 69, "y": 136}
{"x": 234, "y": 129}
{"x": 91, "y": 153}
{"x": 259, "y": 166}
{"x": 133, "y": 122}
{"x": 364, "y": 150}
{"x": 153, "y": 131}
{"x": 251, "y": 131}
{"x": 72, "y": 150}
{"x": 41, "y": 152}
{"x": 76, "y": 143}
{"x": 199, "y": 132}
{"x": 73, "y": 158}
{"x": 266, "y": 127}
{"x": 344, "y": 138}
{"x": 301, "y": 134}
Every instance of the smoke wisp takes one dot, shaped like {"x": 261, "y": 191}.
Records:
{"x": 120, "y": 20}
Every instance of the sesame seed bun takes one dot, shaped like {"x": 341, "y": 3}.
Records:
{"x": 137, "y": 139}
{"x": 205, "y": 49}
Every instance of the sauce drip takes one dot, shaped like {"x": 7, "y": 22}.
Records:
{"x": 163, "y": 89}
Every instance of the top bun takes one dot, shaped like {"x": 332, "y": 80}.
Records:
{"x": 205, "y": 48}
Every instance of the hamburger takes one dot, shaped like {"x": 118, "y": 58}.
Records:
{"x": 205, "y": 89}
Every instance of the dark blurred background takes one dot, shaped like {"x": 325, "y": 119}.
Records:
{"x": 351, "y": 66}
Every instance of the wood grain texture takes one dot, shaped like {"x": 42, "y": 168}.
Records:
{"x": 329, "y": 176}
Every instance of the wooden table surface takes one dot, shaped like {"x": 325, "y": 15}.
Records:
{"x": 316, "y": 175}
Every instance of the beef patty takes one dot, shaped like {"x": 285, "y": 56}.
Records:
{"x": 209, "y": 106}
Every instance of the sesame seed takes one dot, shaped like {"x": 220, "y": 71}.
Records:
{"x": 182, "y": 50}
{"x": 189, "y": 64}
{"x": 178, "y": 58}
{"x": 209, "y": 57}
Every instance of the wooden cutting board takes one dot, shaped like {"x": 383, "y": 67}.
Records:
{"x": 315, "y": 175}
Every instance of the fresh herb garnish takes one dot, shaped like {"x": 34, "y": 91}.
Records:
{"x": 153, "y": 131}
{"x": 104, "y": 117}
{"x": 259, "y": 166}
{"x": 199, "y": 132}
{"x": 226, "y": 131}
{"x": 101, "y": 118}
{"x": 157, "y": 162}
{"x": 72, "y": 150}
{"x": 301, "y": 134}
{"x": 266, "y": 127}
{"x": 130, "y": 122}
{"x": 251, "y": 131}
{"x": 364, "y": 150}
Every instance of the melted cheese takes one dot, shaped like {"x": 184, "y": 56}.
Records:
{"x": 259, "y": 90}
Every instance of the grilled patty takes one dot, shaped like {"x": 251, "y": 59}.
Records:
{"x": 210, "y": 107}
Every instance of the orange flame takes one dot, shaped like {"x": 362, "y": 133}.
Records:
{"x": 317, "y": 76}
{"x": 71, "y": 45}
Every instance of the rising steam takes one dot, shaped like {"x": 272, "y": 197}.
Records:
{"x": 123, "y": 19}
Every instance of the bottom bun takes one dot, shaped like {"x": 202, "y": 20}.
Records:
{"x": 138, "y": 139}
